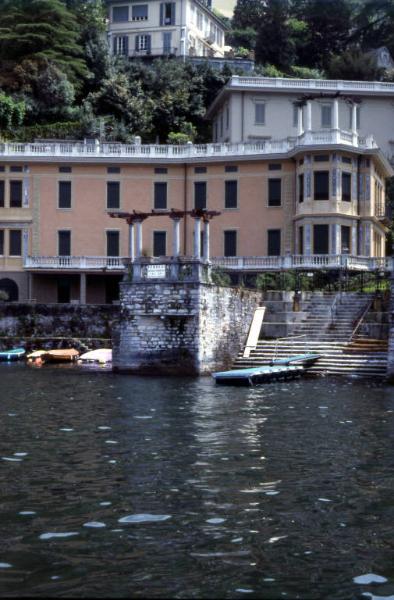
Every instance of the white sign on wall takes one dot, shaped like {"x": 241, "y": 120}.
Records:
{"x": 155, "y": 271}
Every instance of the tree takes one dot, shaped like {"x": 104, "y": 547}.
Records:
{"x": 37, "y": 30}
{"x": 354, "y": 64}
{"x": 328, "y": 29}
{"x": 11, "y": 113}
{"x": 247, "y": 13}
{"x": 375, "y": 25}
{"x": 274, "y": 44}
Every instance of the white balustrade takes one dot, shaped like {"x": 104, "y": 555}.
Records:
{"x": 156, "y": 151}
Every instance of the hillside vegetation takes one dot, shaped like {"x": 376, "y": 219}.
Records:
{"x": 57, "y": 79}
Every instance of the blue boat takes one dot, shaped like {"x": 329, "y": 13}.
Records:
{"x": 14, "y": 354}
{"x": 280, "y": 369}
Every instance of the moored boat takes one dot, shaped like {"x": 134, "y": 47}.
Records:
{"x": 13, "y": 354}
{"x": 61, "y": 355}
{"x": 101, "y": 355}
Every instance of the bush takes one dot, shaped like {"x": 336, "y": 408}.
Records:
{"x": 3, "y": 295}
{"x": 220, "y": 277}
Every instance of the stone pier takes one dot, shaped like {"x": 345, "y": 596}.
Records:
{"x": 175, "y": 321}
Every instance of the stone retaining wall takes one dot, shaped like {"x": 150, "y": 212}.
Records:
{"x": 53, "y": 323}
{"x": 181, "y": 328}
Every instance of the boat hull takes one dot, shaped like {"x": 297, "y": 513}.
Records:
{"x": 11, "y": 355}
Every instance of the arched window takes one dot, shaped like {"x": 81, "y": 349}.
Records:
{"x": 10, "y": 287}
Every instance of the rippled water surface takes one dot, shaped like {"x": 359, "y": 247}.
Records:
{"x": 117, "y": 486}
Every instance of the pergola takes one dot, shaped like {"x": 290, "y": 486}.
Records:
{"x": 136, "y": 218}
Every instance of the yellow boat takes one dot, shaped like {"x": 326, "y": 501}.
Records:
{"x": 62, "y": 355}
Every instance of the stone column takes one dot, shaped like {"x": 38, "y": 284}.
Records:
{"x": 197, "y": 238}
{"x": 139, "y": 239}
{"x": 300, "y": 123}
{"x": 354, "y": 125}
{"x": 206, "y": 241}
{"x": 336, "y": 120}
{"x": 82, "y": 288}
{"x": 131, "y": 242}
{"x": 309, "y": 115}
{"x": 176, "y": 241}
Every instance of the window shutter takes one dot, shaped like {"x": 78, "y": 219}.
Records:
{"x": 114, "y": 45}
{"x": 148, "y": 43}
{"x": 136, "y": 42}
{"x": 173, "y": 7}
{"x": 161, "y": 14}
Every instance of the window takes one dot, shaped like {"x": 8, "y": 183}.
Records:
{"x": 200, "y": 194}
{"x": 1, "y": 242}
{"x": 159, "y": 243}
{"x": 326, "y": 111}
{"x": 15, "y": 242}
{"x": 2, "y": 194}
{"x": 15, "y": 194}
{"x": 113, "y": 194}
{"x": 273, "y": 242}
{"x": 64, "y": 198}
{"x": 121, "y": 45}
{"x": 120, "y": 14}
{"x": 230, "y": 169}
{"x": 167, "y": 13}
{"x": 321, "y": 185}
{"x": 230, "y": 243}
{"x": 113, "y": 169}
{"x": 142, "y": 42}
{"x": 347, "y": 160}
{"x": 16, "y": 169}
{"x": 160, "y": 199}
{"x": 345, "y": 239}
{"x": 274, "y": 192}
{"x": 200, "y": 20}
{"x": 2, "y": 168}
{"x": 64, "y": 243}
{"x": 346, "y": 187}
{"x": 274, "y": 167}
{"x": 320, "y": 239}
{"x": 321, "y": 158}
{"x": 301, "y": 188}
{"x": 65, "y": 169}
{"x": 161, "y": 170}
{"x": 231, "y": 194}
{"x": 112, "y": 243}
{"x": 200, "y": 169}
{"x": 139, "y": 12}
{"x": 259, "y": 113}
{"x": 167, "y": 42}
{"x": 227, "y": 116}
{"x": 295, "y": 115}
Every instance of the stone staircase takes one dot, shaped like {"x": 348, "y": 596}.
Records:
{"x": 329, "y": 333}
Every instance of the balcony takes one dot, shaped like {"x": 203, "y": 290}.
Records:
{"x": 248, "y": 264}
{"x": 95, "y": 150}
{"x": 74, "y": 263}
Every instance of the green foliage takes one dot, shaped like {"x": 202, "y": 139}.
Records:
{"x": 220, "y": 277}
{"x": 306, "y": 73}
{"x": 3, "y": 296}
{"x": 37, "y": 30}
{"x": 12, "y": 112}
{"x": 242, "y": 38}
{"x": 65, "y": 130}
{"x": 274, "y": 44}
{"x": 354, "y": 64}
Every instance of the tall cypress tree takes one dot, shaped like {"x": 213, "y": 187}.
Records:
{"x": 41, "y": 31}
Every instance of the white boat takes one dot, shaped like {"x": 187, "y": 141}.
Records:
{"x": 102, "y": 355}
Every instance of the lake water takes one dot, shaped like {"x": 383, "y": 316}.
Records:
{"x": 119, "y": 486}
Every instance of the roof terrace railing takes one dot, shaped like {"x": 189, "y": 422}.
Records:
{"x": 103, "y": 150}
{"x": 312, "y": 84}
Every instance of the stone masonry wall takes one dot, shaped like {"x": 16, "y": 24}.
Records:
{"x": 50, "y": 324}
{"x": 180, "y": 328}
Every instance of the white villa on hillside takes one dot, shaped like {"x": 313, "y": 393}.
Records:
{"x": 183, "y": 28}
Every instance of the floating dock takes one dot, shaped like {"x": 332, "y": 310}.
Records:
{"x": 281, "y": 369}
